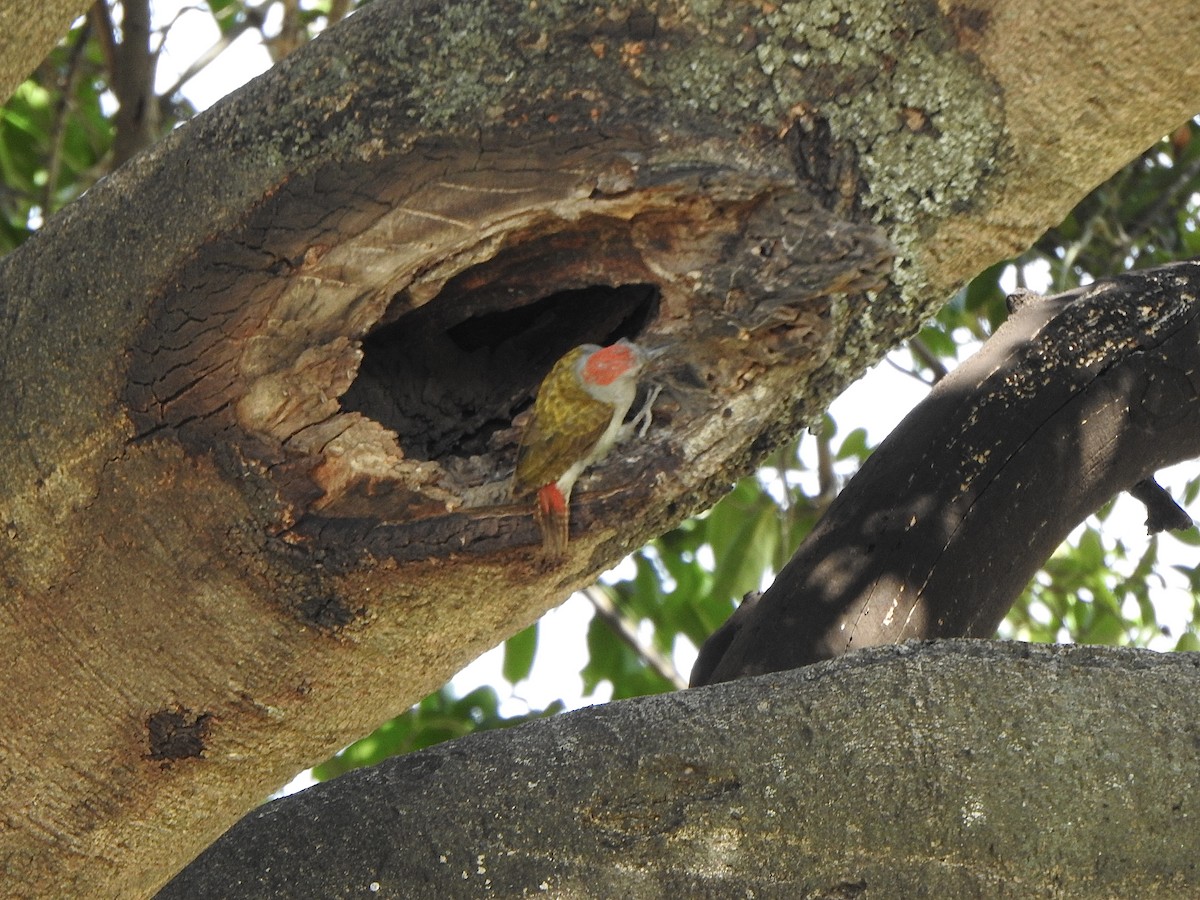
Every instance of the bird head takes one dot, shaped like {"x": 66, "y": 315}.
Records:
{"x": 609, "y": 372}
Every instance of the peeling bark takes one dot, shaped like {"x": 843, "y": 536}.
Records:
{"x": 376, "y": 373}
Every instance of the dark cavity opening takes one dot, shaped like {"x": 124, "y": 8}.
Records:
{"x": 448, "y": 375}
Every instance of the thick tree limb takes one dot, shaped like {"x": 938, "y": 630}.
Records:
{"x": 963, "y": 769}
{"x": 1073, "y": 400}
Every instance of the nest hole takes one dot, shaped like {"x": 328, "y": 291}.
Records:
{"x": 448, "y": 376}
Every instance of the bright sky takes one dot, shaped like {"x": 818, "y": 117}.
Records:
{"x": 193, "y": 33}
{"x": 877, "y": 402}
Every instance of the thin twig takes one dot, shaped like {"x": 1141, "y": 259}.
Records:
{"x": 827, "y": 487}
{"x": 1170, "y": 198}
{"x": 106, "y": 35}
{"x": 915, "y": 376}
{"x": 921, "y": 351}
{"x": 252, "y": 19}
{"x": 786, "y": 509}
{"x": 627, "y": 632}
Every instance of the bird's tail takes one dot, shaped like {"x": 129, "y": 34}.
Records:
{"x": 552, "y": 515}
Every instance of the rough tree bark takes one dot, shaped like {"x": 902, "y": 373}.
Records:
{"x": 960, "y": 769}
{"x": 28, "y": 33}
{"x": 1074, "y": 399}
{"x": 262, "y": 378}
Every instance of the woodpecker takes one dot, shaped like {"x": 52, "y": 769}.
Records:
{"x": 577, "y": 417}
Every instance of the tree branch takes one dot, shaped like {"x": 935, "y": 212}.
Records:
{"x": 1074, "y": 399}
{"x": 132, "y": 81}
{"x": 29, "y": 34}
{"x": 937, "y": 369}
{"x": 63, "y": 107}
{"x": 102, "y": 24}
{"x": 252, "y": 18}
{"x": 1162, "y": 512}
{"x": 627, "y": 632}
{"x": 941, "y": 770}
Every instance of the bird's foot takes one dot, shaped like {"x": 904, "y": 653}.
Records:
{"x": 641, "y": 422}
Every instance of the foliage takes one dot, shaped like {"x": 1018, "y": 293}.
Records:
{"x": 439, "y": 717}
{"x": 56, "y": 139}
{"x": 54, "y": 133}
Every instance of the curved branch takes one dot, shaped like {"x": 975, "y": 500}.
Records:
{"x": 944, "y": 770}
{"x": 1074, "y": 399}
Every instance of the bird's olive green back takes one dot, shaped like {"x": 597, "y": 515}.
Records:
{"x": 567, "y": 422}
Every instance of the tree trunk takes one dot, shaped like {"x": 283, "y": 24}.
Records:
{"x": 261, "y": 379}
{"x": 961, "y": 769}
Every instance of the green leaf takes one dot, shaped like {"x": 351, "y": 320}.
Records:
{"x": 606, "y": 656}
{"x": 612, "y": 660}
{"x": 439, "y": 717}
{"x": 519, "y": 651}
{"x": 1191, "y": 537}
{"x": 744, "y": 531}
{"x": 938, "y": 341}
{"x": 854, "y": 446}
{"x": 1188, "y": 641}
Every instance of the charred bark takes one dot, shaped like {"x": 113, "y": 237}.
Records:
{"x": 1074, "y": 399}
